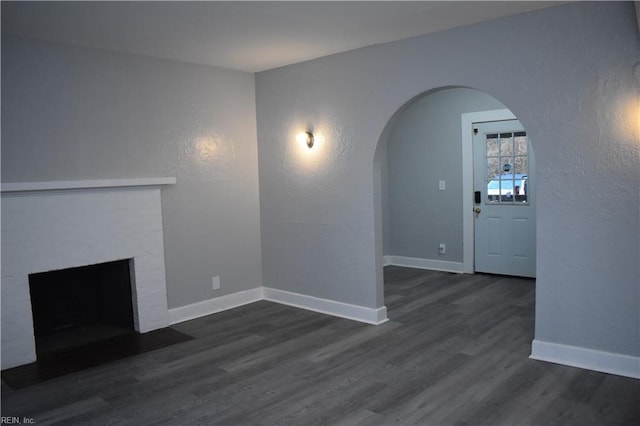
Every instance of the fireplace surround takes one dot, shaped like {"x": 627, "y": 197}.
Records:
{"x": 48, "y": 226}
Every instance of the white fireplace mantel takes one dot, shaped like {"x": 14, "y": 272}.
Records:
{"x": 63, "y": 185}
{"x": 56, "y": 225}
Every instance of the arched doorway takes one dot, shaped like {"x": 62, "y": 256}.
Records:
{"x": 424, "y": 187}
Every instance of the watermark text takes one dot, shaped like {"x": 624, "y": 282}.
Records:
{"x": 14, "y": 420}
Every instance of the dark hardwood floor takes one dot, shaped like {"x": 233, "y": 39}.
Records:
{"x": 455, "y": 352}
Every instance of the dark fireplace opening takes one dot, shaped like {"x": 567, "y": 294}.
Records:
{"x": 80, "y": 306}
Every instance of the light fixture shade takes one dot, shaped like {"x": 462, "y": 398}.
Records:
{"x": 305, "y": 137}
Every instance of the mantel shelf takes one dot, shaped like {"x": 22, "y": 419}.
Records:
{"x": 69, "y": 185}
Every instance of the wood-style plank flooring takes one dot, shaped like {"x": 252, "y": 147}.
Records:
{"x": 455, "y": 352}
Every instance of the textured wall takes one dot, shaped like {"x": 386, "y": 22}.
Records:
{"x": 423, "y": 148}
{"x": 73, "y": 113}
{"x": 566, "y": 72}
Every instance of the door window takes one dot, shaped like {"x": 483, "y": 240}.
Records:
{"x": 507, "y": 168}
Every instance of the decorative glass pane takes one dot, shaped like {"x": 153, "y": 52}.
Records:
{"x": 493, "y": 191}
{"x": 493, "y": 168}
{"x": 493, "y": 149}
{"x": 521, "y": 165}
{"x": 506, "y": 144}
{"x": 520, "y": 144}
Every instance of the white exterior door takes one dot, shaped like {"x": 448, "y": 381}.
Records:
{"x": 504, "y": 199}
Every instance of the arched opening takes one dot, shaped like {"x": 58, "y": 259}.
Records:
{"x": 425, "y": 189}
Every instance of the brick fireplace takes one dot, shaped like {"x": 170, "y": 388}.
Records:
{"x": 51, "y": 226}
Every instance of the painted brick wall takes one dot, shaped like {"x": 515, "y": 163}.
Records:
{"x": 53, "y": 230}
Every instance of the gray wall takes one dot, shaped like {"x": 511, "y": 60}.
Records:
{"x": 423, "y": 148}
{"x": 566, "y": 72}
{"x": 73, "y": 113}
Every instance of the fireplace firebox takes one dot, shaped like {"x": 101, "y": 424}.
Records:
{"x": 77, "y": 306}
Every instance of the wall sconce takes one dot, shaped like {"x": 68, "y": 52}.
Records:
{"x": 305, "y": 137}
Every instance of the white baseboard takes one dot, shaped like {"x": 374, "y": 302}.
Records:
{"x": 217, "y": 304}
{"x": 326, "y": 306}
{"x": 590, "y": 359}
{"x": 414, "y": 262}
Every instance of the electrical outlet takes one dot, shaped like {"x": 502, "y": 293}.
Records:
{"x": 442, "y": 185}
{"x": 215, "y": 281}
{"x": 442, "y": 249}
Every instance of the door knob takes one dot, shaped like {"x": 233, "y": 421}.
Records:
{"x": 477, "y": 210}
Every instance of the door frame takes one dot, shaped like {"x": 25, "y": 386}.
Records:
{"x": 468, "y": 120}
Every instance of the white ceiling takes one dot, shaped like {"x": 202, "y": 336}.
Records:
{"x": 243, "y": 35}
